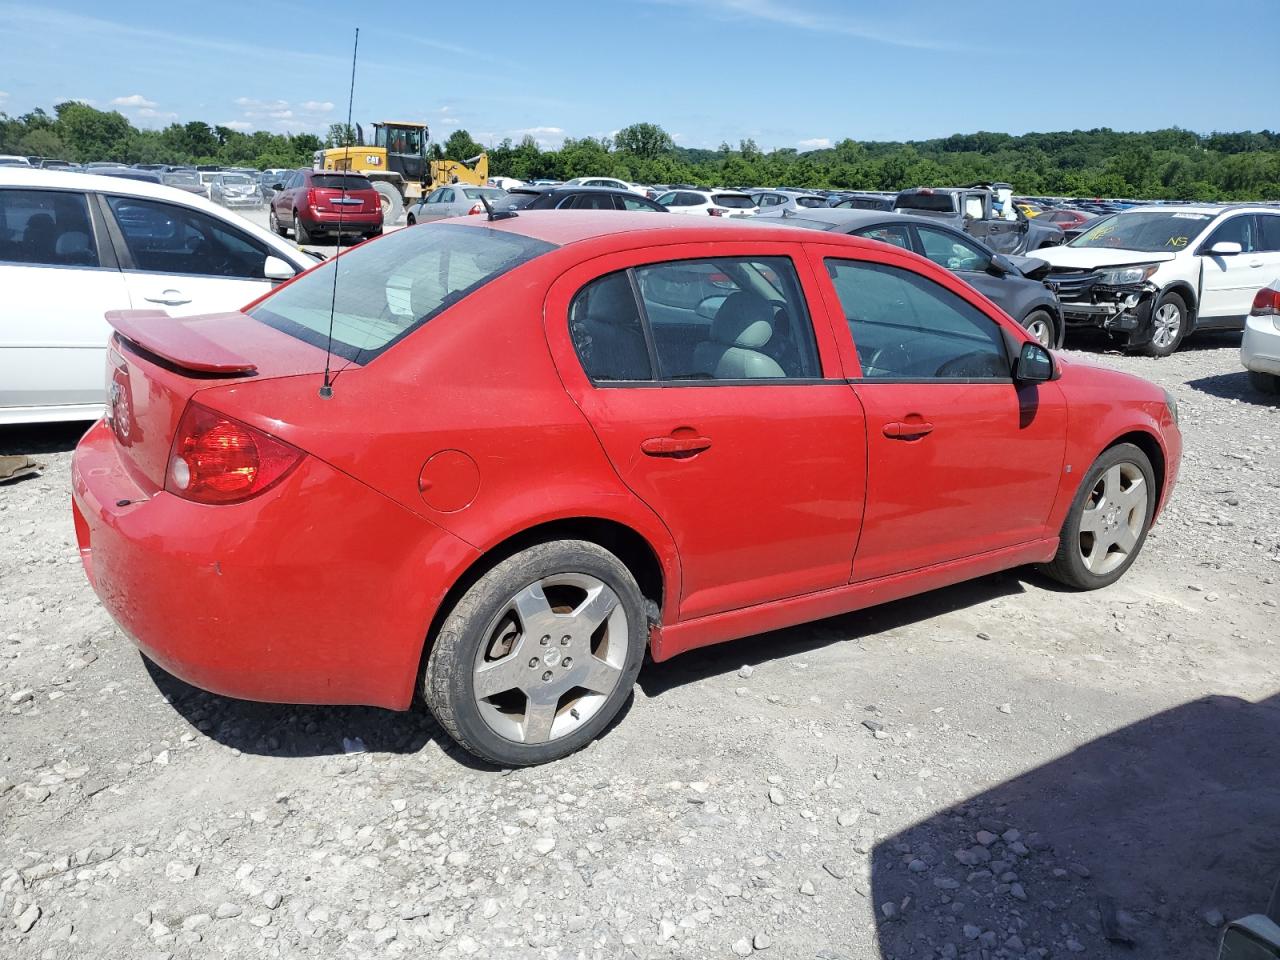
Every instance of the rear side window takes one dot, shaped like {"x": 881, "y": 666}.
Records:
{"x": 336, "y": 181}
{"x": 516, "y": 201}
{"x": 1269, "y": 232}
{"x": 936, "y": 202}
{"x": 638, "y": 203}
{"x": 385, "y": 290}
{"x": 47, "y": 228}
{"x": 906, "y": 327}
{"x": 592, "y": 201}
{"x": 948, "y": 250}
{"x": 165, "y": 238}
{"x": 736, "y": 200}
{"x": 604, "y": 322}
{"x": 894, "y": 233}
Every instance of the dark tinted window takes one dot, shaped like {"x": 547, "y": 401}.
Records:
{"x": 336, "y": 181}
{"x": 638, "y": 203}
{"x": 165, "y": 238}
{"x": 1269, "y": 232}
{"x": 1236, "y": 230}
{"x": 894, "y": 233}
{"x": 517, "y": 200}
{"x": 46, "y": 227}
{"x": 936, "y": 202}
{"x": 811, "y": 202}
{"x": 728, "y": 318}
{"x": 736, "y": 200}
{"x": 951, "y": 251}
{"x": 908, "y": 327}
{"x": 604, "y": 322}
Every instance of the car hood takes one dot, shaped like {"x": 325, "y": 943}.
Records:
{"x": 1087, "y": 258}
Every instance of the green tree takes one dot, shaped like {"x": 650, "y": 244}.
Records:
{"x": 41, "y": 142}
{"x": 340, "y": 135}
{"x": 91, "y": 134}
{"x": 644, "y": 140}
{"x": 461, "y": 146}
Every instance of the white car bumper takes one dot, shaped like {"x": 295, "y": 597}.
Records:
{"x": 1260, "y": 350}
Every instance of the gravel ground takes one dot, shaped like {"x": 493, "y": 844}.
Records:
{"x": 999, "y": 769}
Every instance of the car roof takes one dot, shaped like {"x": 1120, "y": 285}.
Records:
{"x": 565, "y": 227}
{"x": 854, "y": 218}
{"x": 554, "y": 188}
{"x": 1212, "y": 209}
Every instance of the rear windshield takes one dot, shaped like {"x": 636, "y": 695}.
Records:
{"x": 335, "y": 181}
{"x": 389, "y": 288}
{"x": 937, "y": 202}
{"x": 1148, "y": 232}
{"x": 516, "y": 200}
{"x": 492, "y": 193}
{"x": 811, "y": 202}
{"x": 240, "y": 179}
{"x": 736, "y": 200}
{"x": 181, "y": 176}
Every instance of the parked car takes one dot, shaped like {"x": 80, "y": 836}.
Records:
{"x": 128, "y": 173}
{"x": 187, "y": 180}
{"x": 235, "y": 190}
{"x": 267, "y": 180}
{"x": 863, "y": 201}
{"x": 1260, "y": 348}
{"x": 1065, "y": 217}
{"x": 494, "y": 457}
{"x": 11, "y": 160}
{"x": 1014, "y": 284}
{"x": 1152, "y": 276}
{"x": 74, "y": 245}
{"x": 315, "y": 203}
{"x": 612, "y": 182}
{"x": 772, "y": 200}
{"x": 716, "y": 203}
{"x": 574, "y": 198}
{"x": 986, "y": 212}
{"x": 51, "y": 164}
{"x": 455, "y": 200}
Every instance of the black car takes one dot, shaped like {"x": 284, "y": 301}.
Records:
{"x": 575, "y": 198}
{"x": 1013, "y": 283}
{"x": 862, "y": 201}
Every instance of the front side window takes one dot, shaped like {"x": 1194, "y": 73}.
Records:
{"x": 164, "y": 238}
{"x": 667, "y": 199}
{"x": 385, "y": 290}
{"x": 46, "y": 227}
{"x": 894, "y": 233}
{"x": 1236, "y": 230}
{"x": 950, "y": 251}
{"x": 906, "y": 327}
{"x": 728, "y": 318}
{"x": 608, "y": 335}
{"x": 1269, "y": 232}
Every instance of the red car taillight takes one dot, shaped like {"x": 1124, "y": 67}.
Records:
{"x": 311, "y": 199}
{"x": 216, "y": 459}
{"x": 476, "y": 208}
{"x": 715, "y": 211}
{"x": 1266, "y": 303}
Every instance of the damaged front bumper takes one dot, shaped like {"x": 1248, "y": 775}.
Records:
{"x": 1124, "y": 310}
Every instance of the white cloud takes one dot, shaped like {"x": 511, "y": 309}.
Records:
{"x": 791, "y": 15}
{"x": 315, "y": 106}
{"x": 149, "y": 114}
{"x": 134, "y": 100}
{"x": 815, "y": 143}
{"x": 545, "y": 137}
{"x": 4, "y": 95}
{"x": 244, "y": 126}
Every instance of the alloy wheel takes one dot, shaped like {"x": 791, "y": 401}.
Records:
{"x": 1166, "y": 324}
{"x": 1113, "y": 516}
{"x": 1039, "y": 328}
{"x": 550, "y": 658}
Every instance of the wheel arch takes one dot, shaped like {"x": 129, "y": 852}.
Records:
{"x": 1054, "y": 309}
{"x": 1188, "y": 294}
{"x": 1149, "y": 444}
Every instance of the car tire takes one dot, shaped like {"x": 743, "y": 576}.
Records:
{"x": 520, "y": 624}
{"x": 1039, "y": 323}
{"x": 300, "y": 233}
{"x": 411, "y": 221}
{"x": 1267, "y": 383}
{"x": 392, "y": 203}
{"x": 274, "y": 223}
{"x": 1108, "y": 521}
{"x": 1168, "y": 326}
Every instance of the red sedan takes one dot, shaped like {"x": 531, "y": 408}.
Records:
{"x": 557, "y": 440}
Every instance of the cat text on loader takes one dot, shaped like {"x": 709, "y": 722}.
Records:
{"x": 397, "y": 164}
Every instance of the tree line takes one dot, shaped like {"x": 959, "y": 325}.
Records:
{"x": 1172, "y": 164}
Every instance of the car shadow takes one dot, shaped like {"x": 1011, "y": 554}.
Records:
{"x": 292, "y": 731}
{"x": 657, "y": 678}
{"x": 1233, "y": 386}
{"x": 37, "y": 438}
{"x": 1092, "y": 340}
{"x": 1137, "y": 843}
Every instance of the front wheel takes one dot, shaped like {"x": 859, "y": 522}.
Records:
{"x": 1039, "y": 323}
{"x": 539, "y": 655}
{"x": 1108, "y": 520}
{"x": 1168, "y": 326}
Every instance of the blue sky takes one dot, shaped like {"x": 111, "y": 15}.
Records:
{"x": 788, "y": 73}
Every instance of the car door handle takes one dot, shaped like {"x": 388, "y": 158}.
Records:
{"x": 1255, "y": 263}
{"x": 674, "y": 446}
{"x": 169, "y": 298}
{"x": 907, "y": 430}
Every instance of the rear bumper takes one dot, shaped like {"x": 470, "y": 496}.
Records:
{"x": 1260, "y": 348}
{"x": 320, "y": 221}
{"x": 320, "y": 590}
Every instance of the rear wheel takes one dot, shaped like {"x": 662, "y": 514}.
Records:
{"x": 274, "y": 222}
{"x": 1168, "y": 326}
{"x": 1267, "y": 383}
{"x": 1039, "y": 324}
{"x": 411, "y": 221}
{"x": 300, "y": 233}
{"x": 392, "y": 204}
{"x": 539, "y": 655}
{"x": 1108, "y": 521}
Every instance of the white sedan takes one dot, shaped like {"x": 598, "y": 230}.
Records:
{"x": 1260, "y": 349}
{"x": 74, "y": 245}
{"x": 613, "y": 182}
{"x": 716, "y": 203}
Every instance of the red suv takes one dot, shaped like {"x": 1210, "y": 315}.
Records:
{"x": 313, "y": 203}
{"x": 558, "y": 440}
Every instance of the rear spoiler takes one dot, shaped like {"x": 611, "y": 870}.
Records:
{"x": 171, "y": 339}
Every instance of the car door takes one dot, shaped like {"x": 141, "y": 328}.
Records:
{"x": 747, "y": 443}
{"x": 1228, "y": 282}
{"x": 183, "y": 260}
{"x": 1268, "y": 248}
{"x": 963, "y": 257}
{"x": 962, "y": 460}
{"x": 59, "y": 276}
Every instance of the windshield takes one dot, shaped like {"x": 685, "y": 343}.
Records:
{"x": 182, "y": 176}
{"x": 239, "y": 179}
{"x": 738, "y": 201}
{"x": 389, "y": 288}
{"x": 1156, "y": 231}
{"x": 937, "y": 202}
{"x": 517, "y": 200}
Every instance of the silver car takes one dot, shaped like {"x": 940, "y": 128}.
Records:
{"x": 235, "y": 190}
{"x": 455, "y": 200}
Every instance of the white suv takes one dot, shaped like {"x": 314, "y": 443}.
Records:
{"x": 716, "y": 203}
{"x": 1152, "y": 275}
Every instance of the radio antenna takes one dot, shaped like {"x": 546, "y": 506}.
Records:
{"x": 326, "y": 388}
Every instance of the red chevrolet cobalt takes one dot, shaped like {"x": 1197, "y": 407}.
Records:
{"x": 555, "y": 441}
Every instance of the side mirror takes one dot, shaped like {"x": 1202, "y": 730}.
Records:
{"x": 1252, "y": 938}
{"x": 273, "y": 268}
{"x": 1225, "y": 248}
{"x": 1035, "y": 364}
{"x": 1000, "y": 265}
{"x": 277, "y": 186}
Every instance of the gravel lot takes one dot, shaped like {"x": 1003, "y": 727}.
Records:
{"x": 999, "y": 769}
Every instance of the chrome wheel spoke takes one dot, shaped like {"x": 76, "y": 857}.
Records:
{"x": 532, "y": 608}
{"x": 1111, "y": 523}
{"x": 1091, "y": 521}
{"x": 600, "y": 603}
{"x": 539, "y": 717}
{"x": 602, "y": 677}
{"x": 1126, "y": 538}
{"x": 509, "y": 673}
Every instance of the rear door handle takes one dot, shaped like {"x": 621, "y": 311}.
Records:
{"x": 1255, "y": 263}
{"x": 902, "y": 430}
{"x": 674, "y": 446}
{"x": 169, "y": 298}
